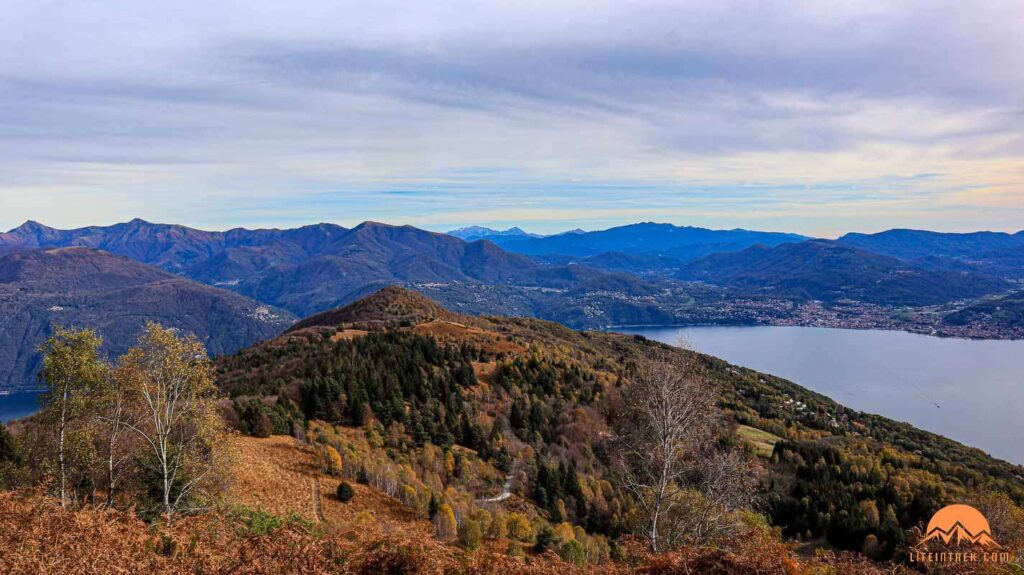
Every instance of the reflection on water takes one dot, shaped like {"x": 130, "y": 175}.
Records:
{"x": 969, "y": 390}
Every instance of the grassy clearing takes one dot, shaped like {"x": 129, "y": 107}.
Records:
{"x": 762, "y": 441}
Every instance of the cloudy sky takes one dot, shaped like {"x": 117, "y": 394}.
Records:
{"x": 817, "y": 117}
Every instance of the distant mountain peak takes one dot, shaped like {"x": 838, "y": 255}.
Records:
{"x": 473, "y": 233}
{"x": 31, "y": 226}
{"x": 371, "y": 224}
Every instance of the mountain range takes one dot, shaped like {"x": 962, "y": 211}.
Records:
{"x": 995, "y": 253}
{"x": 312, "y": 268}
{"x": 116, "y": 277}
{"x": 645, "y": 273}
{"x": 647, "y": 239}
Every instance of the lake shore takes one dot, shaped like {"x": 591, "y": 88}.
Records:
{"x": 18, "y": 404}
{"x": 965, "y": 389}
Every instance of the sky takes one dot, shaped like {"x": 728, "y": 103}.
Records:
{"x": 812, "y": 117}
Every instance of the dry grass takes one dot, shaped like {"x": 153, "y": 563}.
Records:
{"x": 38, "y": 537}
{"x": 278, "y": 474}
{"x": 489, "y": 341}
{"x": 348, "y": 334}
{"x": 370, "y": 535}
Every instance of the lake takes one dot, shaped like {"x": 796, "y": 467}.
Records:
{"x": 16, "y": 405}
{"x": 968, "y": 390}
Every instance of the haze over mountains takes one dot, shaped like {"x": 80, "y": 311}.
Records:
{"x": 645, "y": 273}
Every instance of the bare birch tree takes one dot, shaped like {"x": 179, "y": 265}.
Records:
{"x": 72, "y": 370}
{"x": 172, "y": 379}
{"x": 117, "y": 415}
{"x": 666, "y": 453}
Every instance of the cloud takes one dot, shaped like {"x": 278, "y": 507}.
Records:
{"x": 558, "y": 113}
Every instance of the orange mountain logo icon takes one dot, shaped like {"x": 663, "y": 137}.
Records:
{"x": 958, "y": 525}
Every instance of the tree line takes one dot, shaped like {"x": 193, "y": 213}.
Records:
{"x": 141, "y": 430}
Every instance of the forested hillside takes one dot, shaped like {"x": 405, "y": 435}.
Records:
{"x": 538, "y": 401}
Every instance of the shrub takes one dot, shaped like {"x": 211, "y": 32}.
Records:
{"x": 345, "y": 492}
{"x": 564, "y": 532}
{"x": 254, "y": 421}
{"x": 330, "y": 461}
{"x": 572, "y": 551}
{"x": 519, "y": 528}
{"x": 250, "y": 521}
{"x": 498, "y": 529}
{"x": 545, "y": 539}
{"x": 470, "y": 534}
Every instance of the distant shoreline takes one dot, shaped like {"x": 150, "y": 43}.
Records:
{"x": 19, "y": 390}
{"x": 935, "y": 334}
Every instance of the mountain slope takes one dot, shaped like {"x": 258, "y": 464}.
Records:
{"x": 829, "y": 271}
{"x": 528, "y": 395}
{"x": 84, "y": 287}
{"x": 648, "y": 239}
{"x": 641, "y": 264}
{"x": 1006, "y": 311}
{"x": 911, "y": 244}
{"x": 373, "y": 255}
